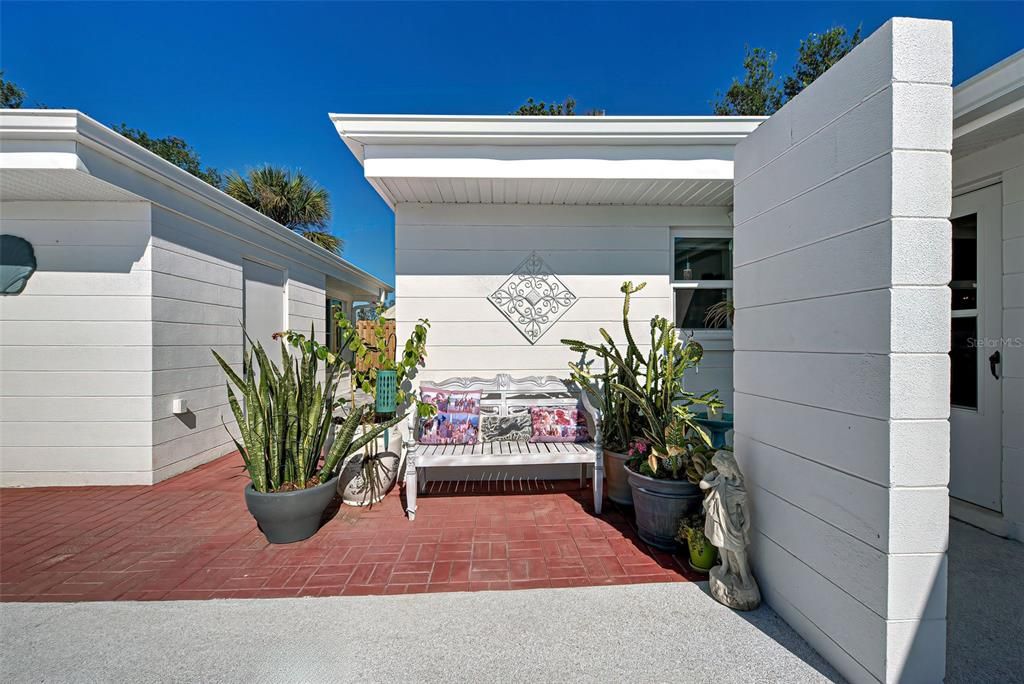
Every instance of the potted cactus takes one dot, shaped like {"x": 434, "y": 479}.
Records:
{"x": 285, "y": 419}
{"x": 652, "y": 384}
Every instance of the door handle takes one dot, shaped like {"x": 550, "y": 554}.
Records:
{"x": 993, "y": 361}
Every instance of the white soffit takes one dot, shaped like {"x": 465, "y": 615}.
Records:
{"x": 989, "y": 107}
{"x": 660, "y": 161}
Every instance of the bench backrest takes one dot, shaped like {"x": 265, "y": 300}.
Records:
{"x": 505, "y": 396}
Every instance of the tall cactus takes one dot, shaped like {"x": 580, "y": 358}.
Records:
{"x": 647, "y": 390}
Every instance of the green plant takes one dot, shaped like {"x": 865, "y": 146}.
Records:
{"x": 619, "y": 416}
{"x": 287, "y": 418}
{"x": 691, "y": 533}
{"x": 720, "y": 314}
{"x": 374, "y": 356}
{"x": 653, "y": 383}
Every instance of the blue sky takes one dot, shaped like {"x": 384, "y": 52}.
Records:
{"x": 248, "y": 83}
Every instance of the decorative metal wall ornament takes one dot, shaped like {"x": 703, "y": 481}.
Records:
{"x": 533, "y": 298}
{"x": 17, "y": 264}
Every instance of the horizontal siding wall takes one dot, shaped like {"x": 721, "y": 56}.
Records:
{"x": 197, "y": 307}
{"x": 1013, "y": 352}
{"x": 842, "y": 250}
{"x": 449, "y": 258}
{"x": 75, "y": 362}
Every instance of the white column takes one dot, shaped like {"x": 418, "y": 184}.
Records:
{"x": 842, "y": 250}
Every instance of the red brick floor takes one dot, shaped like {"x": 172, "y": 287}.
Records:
{"x": 191, "y": 537}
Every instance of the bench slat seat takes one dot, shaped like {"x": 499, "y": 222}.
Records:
{"x": 507, "y": 454}
{"x": 505, "y": 396}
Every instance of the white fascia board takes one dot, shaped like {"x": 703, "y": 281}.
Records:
{"x": 989, "y": 96}
{"x": 43, "y": 141}
{"x": 43, "y": 128}
{"x": 358, "y": 130}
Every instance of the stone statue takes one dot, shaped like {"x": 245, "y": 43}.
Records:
{"x": 727, "y": 526}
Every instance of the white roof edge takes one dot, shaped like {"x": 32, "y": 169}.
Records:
{"x": 358, "y": 130}
{"x": 72, "y": 124}
{"x": 999, "y": 87}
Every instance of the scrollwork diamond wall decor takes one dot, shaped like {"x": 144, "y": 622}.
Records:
{"x": 533, "y": 298}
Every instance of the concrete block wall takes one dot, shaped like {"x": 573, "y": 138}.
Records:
{"x": 842, "y": 260}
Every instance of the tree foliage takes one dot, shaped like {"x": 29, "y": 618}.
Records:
{"x": 531, "y": 108}
{"x": 174, "y": 150}
{"x": 757, "y": 94}
{"x": 818, "y": 52}
{"x": 11, "y": 96}
{"x": 288, "y": 197}
{"x": 760, "y": 93}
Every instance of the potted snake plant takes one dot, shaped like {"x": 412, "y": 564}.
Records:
{"x": 285, "y": 420}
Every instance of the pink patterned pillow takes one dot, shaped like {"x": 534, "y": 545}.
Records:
{"x": 558, "y": 424}
{"x": 457, "y": 420}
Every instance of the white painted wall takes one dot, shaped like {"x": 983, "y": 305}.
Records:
{"x": 1003, "y": 163}
{"x": 449, "y": 258}
{"x": 75, "y": 347}
{"x": 197, "y": 306}
{"x": 842, "y": 250}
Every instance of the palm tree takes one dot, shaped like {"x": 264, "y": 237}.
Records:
{"x": 290, "y": 198}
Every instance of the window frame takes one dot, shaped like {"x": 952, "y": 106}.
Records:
{"x": 698, "y": 232}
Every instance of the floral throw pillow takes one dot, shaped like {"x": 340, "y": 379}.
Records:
{"x": 558, "y": 424}
{"x": 457, "y": 420}
{"x": 511, "y": 429}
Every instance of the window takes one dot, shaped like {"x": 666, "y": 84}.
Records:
{"x": 332, "y": 338}
{"x": 701, "y": 276}
{"x": 963, "y": 353}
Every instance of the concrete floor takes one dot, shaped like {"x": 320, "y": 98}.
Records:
{"x": 653, "y": 632}
{"x": 985, "y": 628}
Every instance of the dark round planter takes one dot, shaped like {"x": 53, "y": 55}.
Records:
{"x": 286, "y": 517}
{"x": 659, "y": 505}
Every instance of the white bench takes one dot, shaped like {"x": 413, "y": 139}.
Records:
{"x": 505, "y": 396}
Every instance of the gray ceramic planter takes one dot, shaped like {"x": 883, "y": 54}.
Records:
{"x": 659, "y": 505}
{"x": 619, "y": 490}
{"x": 286, "y": 517}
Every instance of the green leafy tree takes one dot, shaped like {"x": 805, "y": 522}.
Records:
{"x": 174, "y": 150}
{"x": 290, "y": 198}
{"x": 757, "y": 94}
{"x": 11, "y": 96}
{"x": 818, "y": 52}
{"x": 531, "y": 108}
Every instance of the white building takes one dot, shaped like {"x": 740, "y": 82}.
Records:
{"x": 828, "y": 225}
{"x": 142, "y": 269}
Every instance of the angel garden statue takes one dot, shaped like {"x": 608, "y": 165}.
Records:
{"x": 727, "y": 526}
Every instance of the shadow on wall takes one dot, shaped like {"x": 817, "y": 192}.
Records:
{"x": 64, "y": 253}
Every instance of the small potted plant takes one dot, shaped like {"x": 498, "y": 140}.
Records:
{"x": 284, "y": 420}
{"x": 387, "y": 378}
{"x": 365, "y": 479}
{"x": 703, "y": 554}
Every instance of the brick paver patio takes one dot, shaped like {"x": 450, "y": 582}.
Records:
{"x": 191, "y": 537}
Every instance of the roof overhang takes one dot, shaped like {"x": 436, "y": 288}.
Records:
{"x": 989, "y": 107}
{"x": 621, "y": 160}
{"x": 62, "y": 154}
